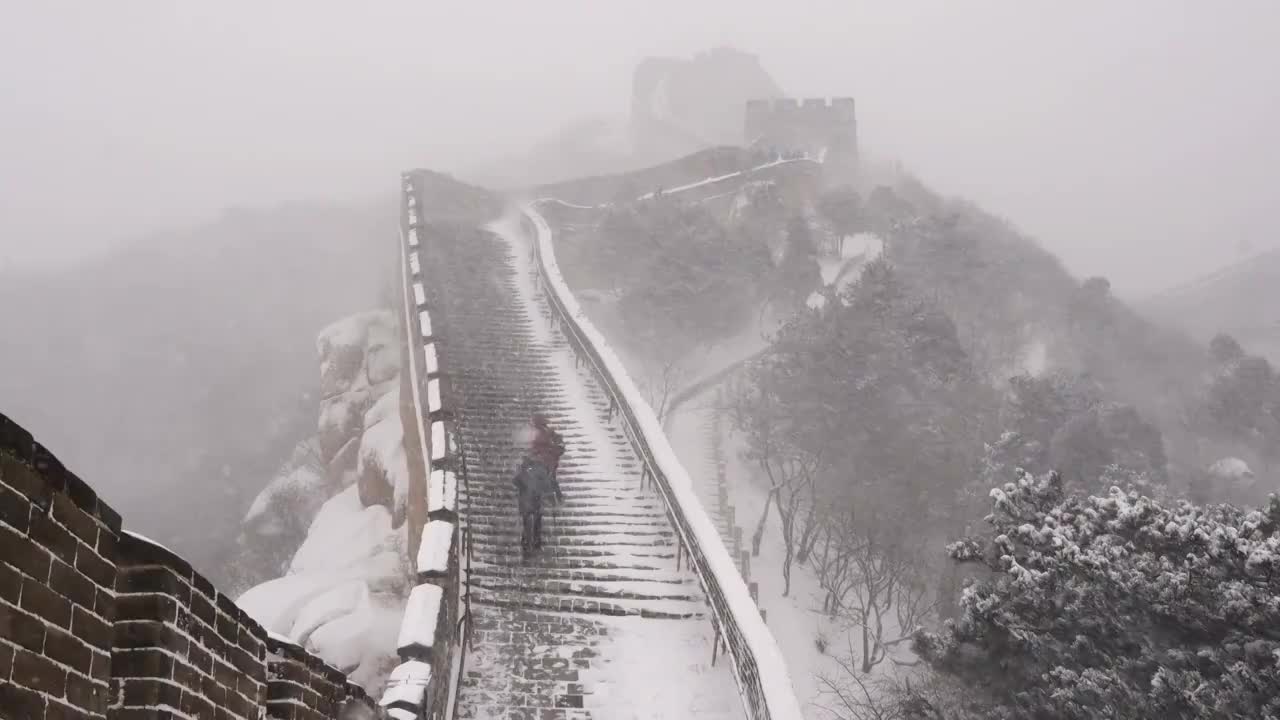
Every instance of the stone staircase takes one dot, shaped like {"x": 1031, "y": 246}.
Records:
{"x": 547, "y": 629}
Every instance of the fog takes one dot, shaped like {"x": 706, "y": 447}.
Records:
{"x": 1108, "y": 130}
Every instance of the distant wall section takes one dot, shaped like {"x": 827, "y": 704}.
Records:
{"x": 810, "y": 125}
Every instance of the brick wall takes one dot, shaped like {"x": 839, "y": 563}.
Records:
{"x": 430, "y": 644}
{"x": 100, "y": 623}
{"x": 57, "y": 600}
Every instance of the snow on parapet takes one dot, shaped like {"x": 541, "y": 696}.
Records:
{"x": 149, "y": 541}
{"x": 407, "y": 688}
{"x": 437, "y": 441}
{"x": 436, "y": 547}
{"x": 429, "y": 352}
{"x": 775, "y": 680}
{"x": 433, "y": 395}
{"x": 442, "y": 492}
{"x": 421, "y": 615}
{"x": 695, "y": 185}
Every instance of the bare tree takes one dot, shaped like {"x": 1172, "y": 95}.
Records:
{"x": 790, "y": 470}
{"x": 661, "y": 384}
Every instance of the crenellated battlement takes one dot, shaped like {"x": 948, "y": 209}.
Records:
{"x": 811, "y": 124}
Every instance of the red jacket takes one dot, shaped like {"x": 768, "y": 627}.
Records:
{"x": 547, "y": 447}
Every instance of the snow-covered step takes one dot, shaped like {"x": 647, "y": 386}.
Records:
{"x": 657, "y": 609}
{"x": 609, "y": 551}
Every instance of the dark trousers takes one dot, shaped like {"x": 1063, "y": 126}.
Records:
{"x": 531, "y": 528}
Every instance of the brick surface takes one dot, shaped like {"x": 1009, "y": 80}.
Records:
{"x": 23, "y": 554}
{"x": 38, "y": 673}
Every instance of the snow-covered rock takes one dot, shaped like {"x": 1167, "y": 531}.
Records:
{"x": 1231, "y": 468}
{"x": 382, "y": 469}
{"x": 342, "y": 595}
{"x": 359, "y": 362}
{"x": 289, "y": 502}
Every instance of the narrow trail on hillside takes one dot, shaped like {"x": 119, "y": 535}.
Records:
{"x": 601, "y": 618}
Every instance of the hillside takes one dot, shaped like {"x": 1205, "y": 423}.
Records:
{"x": 179, "y": 372}
{"x": 1242, "y": 299}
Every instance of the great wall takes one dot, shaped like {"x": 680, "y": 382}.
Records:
{"x": 97, "y": 622}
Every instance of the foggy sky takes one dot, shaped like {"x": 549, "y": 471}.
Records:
{"x": 1135, "y": 139}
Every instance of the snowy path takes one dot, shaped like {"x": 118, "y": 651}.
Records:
{"x": 600, "y": 623}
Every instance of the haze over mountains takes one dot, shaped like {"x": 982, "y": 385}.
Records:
{"x": 178, "y": 369}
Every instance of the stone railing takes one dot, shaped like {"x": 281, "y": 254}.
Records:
{"x": 760, "y": 672}
{"x": 434, "y": 629}
{"x": 102, "y": 623}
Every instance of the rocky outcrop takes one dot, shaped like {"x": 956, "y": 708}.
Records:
{"x": 326, "y": 533}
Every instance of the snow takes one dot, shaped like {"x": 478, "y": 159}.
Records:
{"x": 382, "y": 447}
{"x": 408, "y": 694}
{"x": 741, "y": 173}
{"x": 328, "y": 605}
{"x": 437, "y": 441}
{"x": 407, "y": 685}
{"x": 433, "y": 395}
{"x": 342, "y": 596}
{"x": 627, "y": 682}
{"x": 442, "y": 491}
{"x": 1232, "y": 468}
{"x": 293, "y": 487}
{"x": 149, "y": 541}
{"x": 689, "y": 186}
{"x": 281, "y": 639}
{"x": 774, "y": 678}
{"x": 433, "y": 366}
{"x": 349, "y": 331}
{"x": 436, "y": 547}
{"x": 411, "y": 670}
{"x": 421, "y": 615}
{"x": 347, "y": 535}
{"x": 415, "y": 380}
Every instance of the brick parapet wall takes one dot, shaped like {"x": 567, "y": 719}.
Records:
{"x": 100, "y": 623}
{"x": 57, "y": 601}
{"x": 430, "y": 641}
